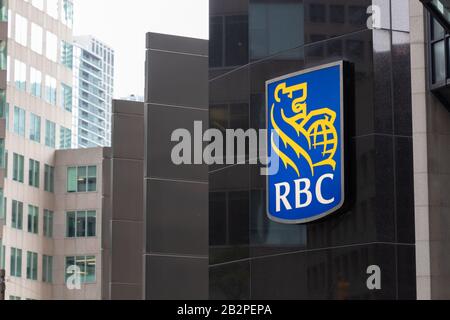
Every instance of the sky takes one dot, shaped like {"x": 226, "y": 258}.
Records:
{"x": 123, "y": 25}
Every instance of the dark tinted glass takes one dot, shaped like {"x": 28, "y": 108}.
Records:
{"x": 357, "y": 15}
{"x": 337, "y": 13}
{"x": 317, "y": 12}
{"x": 236, "y": 40}
{"x": 216, "y": 42}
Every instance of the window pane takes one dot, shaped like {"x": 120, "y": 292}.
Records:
{"x": 72, "y": 180}
{"x": 70, "y": 225}
{"x": 92, "y": 180}
{"x": 19, "y": 263}
{"x": 91, "y": 224}
{"x": 67, "y": 54}
{"x": 216, "y": 42}
{"x": 236, "y": 37}
{"x": 36, "y": 38}
{"x": 438, "y": 54}
{"x": 50, "y": 134}
{"x": 50, "y": 269}
{"x": 90, "y": 269}
{"x": 67, "y": 14}
{"x": 13, "y": 262}
{"x": 80, "y": 262}
{"x": 82, "y": 183}
{"x": 81, "y": 224}
{"x": 70, "y": 261}
{"x": 3, "y": 55}
{"x": 52, "y": 8}
{"x": 21, "y": 30}
{"x": 437, "y": 30}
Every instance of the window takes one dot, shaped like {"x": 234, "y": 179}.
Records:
{"x": 3, "y": 55}
{"x": 32, "y": 265}
{"x": 8, "y": 69}
{"x": 67, "y": 54}
{"x": 47, "y": 269}
{"x": 52, "y": 47}
{"x": 50, "y": 90}
{"x": 49, "y": 177}
{"x": 17, "y": 215}
{"x": 82, "y": 179}
{"x": 36, "y": 38}
{"x": 67, "y": 14}
{"x": 48, "y": 223}
{"x": 35, "y": 128}
{"x": 357, "y": 15}
{"x": 2, "y": 255}
{"x": 337, "y": 14}
{"x": 33, "y": 173}
{"x": 33, "y": 219}
{"x": 439, "y": 62}
{"x": 3, "y": 10}
{"x": 18, "y": 162}
{"x": 35, "y": 82}
{"x": 439, "y": 10}
{"x": 6, "y": 163}
{"x": 52, "y": 8}
{"x": 9, "y": 23}
{"x": 2, "y": 206}
{"x": 86, "y": 265}
{"x": 81, "y": 224}
{"x": 438, "y": 56}
{"x": 19, "y": 121}
{"x": 20, "y": 75}
{"x": 2, "y": 154}
{"x": 3, "y": 104}
{"x": 50, "y": 133}
{"x": 65, "y": 136}
{"x": 317, "y": 13}
{"x": 7, "y": 115}
{"x": 236, "y": 40}
{"x": 38, "y": 4}
{"x": 21, "y": 30}
{"x": 229, "y": 46}
{"x": 16, "y": 263}
{"x": 66, "y": 97}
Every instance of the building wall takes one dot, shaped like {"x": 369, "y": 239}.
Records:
{"x": 254, "y": 258}
{"x": 65, "y": 202}
{"x": 431, "y": 123}
{"x": 123, "y": 219}
{"x": 176, "y": 207}
{"x": 24, "y": 146}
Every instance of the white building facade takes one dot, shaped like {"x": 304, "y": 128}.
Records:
{"x": 93, "y": 94}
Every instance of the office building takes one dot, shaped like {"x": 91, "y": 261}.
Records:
{"x": 202, "y": 231}
{"x": 93, "y": 92}
{"x": 51, "y": 197}
{"x": 394, "y": 226}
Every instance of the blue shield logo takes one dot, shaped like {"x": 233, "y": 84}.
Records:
{"x": 305, "y": 124}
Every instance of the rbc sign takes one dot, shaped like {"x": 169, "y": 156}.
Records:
{"x": 305, "y": 122}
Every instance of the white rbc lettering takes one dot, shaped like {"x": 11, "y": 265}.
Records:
{"x": 302, "y": 187}
{"x": 282, "y": 197}
{"x": 319, "y": 195}
{"x": 299, "y": 192}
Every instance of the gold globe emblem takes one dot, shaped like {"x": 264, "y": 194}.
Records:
{"x": 317, "y": 127}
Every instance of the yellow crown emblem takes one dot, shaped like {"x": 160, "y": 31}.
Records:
{"x": 317, "y": 127}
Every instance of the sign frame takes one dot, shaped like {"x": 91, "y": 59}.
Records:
{"x": 344, "y": 101}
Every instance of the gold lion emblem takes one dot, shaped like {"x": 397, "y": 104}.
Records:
{"x": 317, "y": 127}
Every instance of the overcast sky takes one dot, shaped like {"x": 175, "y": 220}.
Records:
{"x": 123, "y": 24}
